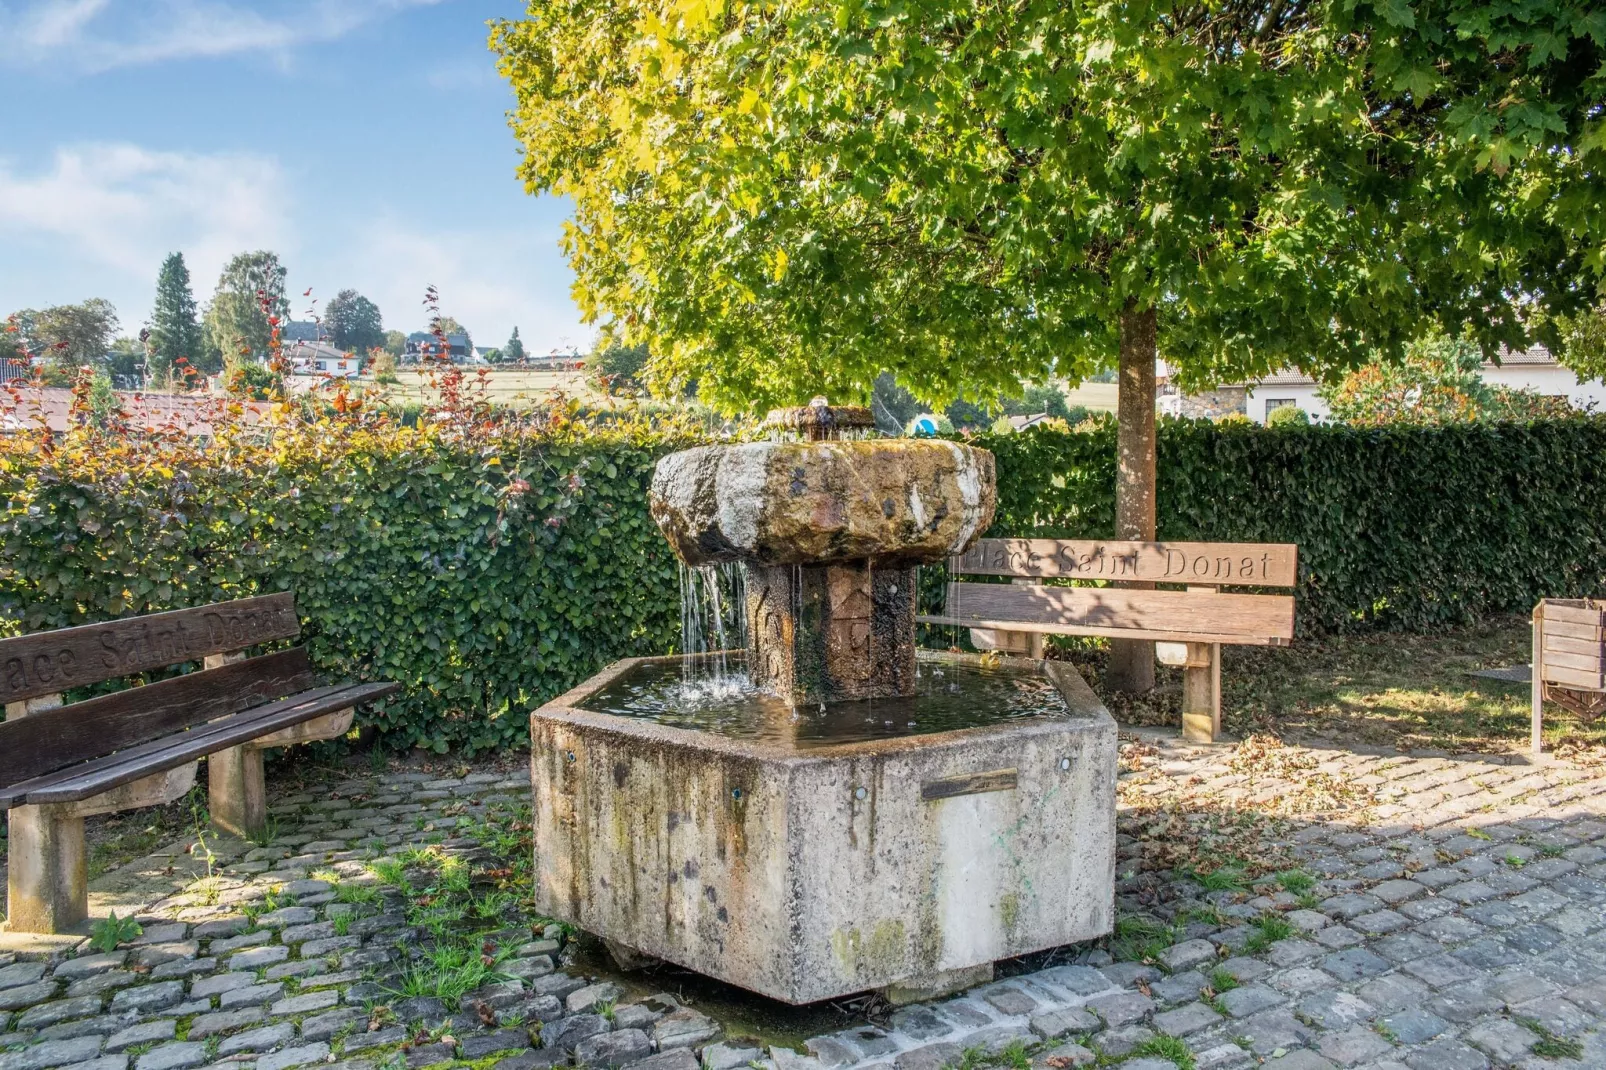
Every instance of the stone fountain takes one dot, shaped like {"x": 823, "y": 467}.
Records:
{"x": 842, "y": 813}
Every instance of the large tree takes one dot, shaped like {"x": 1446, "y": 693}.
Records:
{"x": 72, "y": 336}
{"x": 250, "y": 290}
{"x": 175, "y": 331}
{"x": 354, "y": 322}
{"x": 785, "y": 198}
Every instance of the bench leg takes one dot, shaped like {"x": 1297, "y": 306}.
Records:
{"x": 1536, "y": 741}
{"x": 235, "y": 791}
{"x": 47, "y": 870}
{"x": 1201, "y": 693}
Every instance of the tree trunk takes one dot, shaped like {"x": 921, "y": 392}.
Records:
{"x": 1131, "y": 665}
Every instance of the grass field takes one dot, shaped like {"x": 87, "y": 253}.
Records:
{"x": 513, "y": 386}
{"x": 1099, "y": 397}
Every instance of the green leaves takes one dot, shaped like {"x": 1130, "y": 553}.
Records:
{"x": 790, "y": 199}
{"x": 1398, "y": 527}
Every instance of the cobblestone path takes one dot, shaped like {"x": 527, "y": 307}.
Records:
{"x": 1298, "y": 909}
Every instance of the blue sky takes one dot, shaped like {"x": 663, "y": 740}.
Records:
{"x": 362, "y": 140}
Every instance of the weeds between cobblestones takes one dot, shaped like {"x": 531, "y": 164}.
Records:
{"x": 1302, "y": 909}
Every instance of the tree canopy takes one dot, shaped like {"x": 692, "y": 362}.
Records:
{"x": 69, "y": 336}
{"x": 786, "y": 198}
{"x": 1438, "y": 382}
{"x": 354, "y": 322}
{"x": 250, "y": 290}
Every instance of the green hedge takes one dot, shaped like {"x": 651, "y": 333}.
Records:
{"x": 489, "y": 571}
{"x": 1408, "y": 528}
{"x": 413, "y": 556}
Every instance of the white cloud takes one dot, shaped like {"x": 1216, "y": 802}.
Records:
{"x": 97, "y": 35}
{"x": 97, "y": 220}
{"x": 123, "y": 207}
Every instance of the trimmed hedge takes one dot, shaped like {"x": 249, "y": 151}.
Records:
{"x": 491, "y": 569}
{"x": 1401, "y": 528}
{"x": 486, "y": 574}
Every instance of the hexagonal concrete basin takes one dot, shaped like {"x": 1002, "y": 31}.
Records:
{"x": 870, "y": 845}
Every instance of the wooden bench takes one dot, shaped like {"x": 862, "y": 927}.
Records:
{"x": 1188, "y": 626}
{"x": 1569, "y": 666}
{"x": 138, "y": 747}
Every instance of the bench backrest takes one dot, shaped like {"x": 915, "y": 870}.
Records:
{"x": 1195, "y": 615}
{"x": 1216, "y": 564}
{"x": 46, "y": 662}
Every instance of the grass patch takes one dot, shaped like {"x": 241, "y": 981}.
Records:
{"x": 1222, "y": 981}
{"x": 448, "y": 971}
{"x": 1549, "y": 1045}
{"x": 1225, "y": 878}
{"x": 1171, "y": 1048}
{"x": 1295, "y": 881}
{"x": 1270, "y": 927}
{"x": 1137, "y": 938}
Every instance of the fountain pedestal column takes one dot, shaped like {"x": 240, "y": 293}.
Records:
{"x": 832, "y": 633}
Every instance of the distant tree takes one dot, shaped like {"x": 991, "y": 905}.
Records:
{"x": 1036, "y": 398}
{"x": 492, "y": 355}
{"x": 968, "y": 416}
{"x": 382, "y": 366}
{"x": 1439, "y": 381}
{"x": 513, "y": 352}
{"x": 354, "y": 322}
{"x": 1583, "y": 343}
{"x": 175, "y": 330}
{"x": 73, "y": 336}
{"x": 395, "y": 343}
{"x": 236, "y": 321}
{"x": 619, "y": 367}
{"x": 891, "y": 405}
{"x": 126, "y": 361}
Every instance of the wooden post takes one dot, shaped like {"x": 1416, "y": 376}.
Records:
{"x": 1537, "y": 688}
{"x": 1201, "y": 693}
{"x": 47, "y": 871}
{"x": 235, "y": 791}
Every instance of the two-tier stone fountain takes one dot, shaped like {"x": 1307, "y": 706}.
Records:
{"x": 839, "y": 813}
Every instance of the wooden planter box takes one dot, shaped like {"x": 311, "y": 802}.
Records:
{"x": 1571, "y": 634}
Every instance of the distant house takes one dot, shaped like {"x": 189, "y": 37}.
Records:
{"x": 302, "y": 331}
{"x": 420, "y": 343}
{"x": 321, "y": 358}
{"x": 1534, "y": 369}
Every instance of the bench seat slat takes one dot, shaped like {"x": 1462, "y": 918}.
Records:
{"x": 66, "y": 736}
{"x": 1124, "y": 612}
{"x": 82, "y": 782}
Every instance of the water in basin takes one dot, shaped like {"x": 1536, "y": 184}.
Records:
{"x": 953, "y": 695}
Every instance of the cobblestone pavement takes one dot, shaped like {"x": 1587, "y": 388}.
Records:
{"x": 1299, "y": 909}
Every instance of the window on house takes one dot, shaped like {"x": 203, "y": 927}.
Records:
{"x": 323, "y": 365}
{"x": 1277, "y": 403}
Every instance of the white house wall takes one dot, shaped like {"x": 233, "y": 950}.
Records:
{"x": 1303, "y": 395}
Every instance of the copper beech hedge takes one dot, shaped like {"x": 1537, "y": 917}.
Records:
{"x": 490, "y": 563}
{"x": 485, "y": 564}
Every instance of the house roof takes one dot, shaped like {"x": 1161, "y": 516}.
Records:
{"x": 302, "y": 331}
{"x": 317, "y": 351}
{"x": 25, "y": 407}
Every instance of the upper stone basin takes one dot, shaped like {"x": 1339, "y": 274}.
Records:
{"x": 899, "y": 501}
